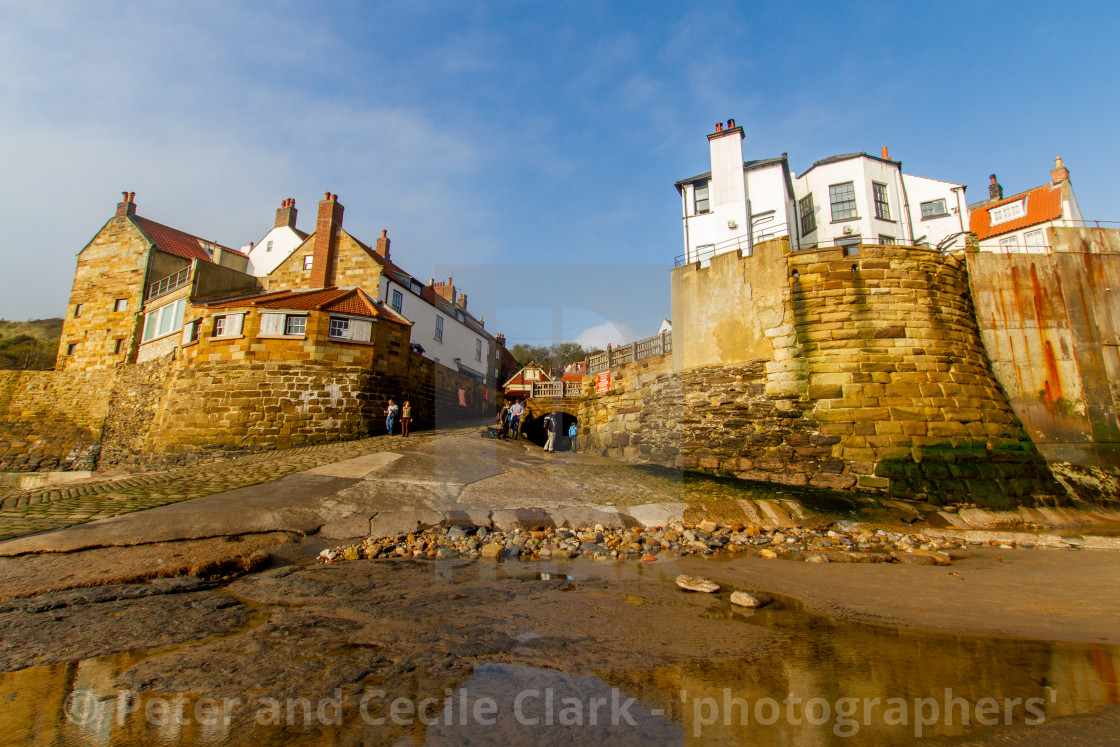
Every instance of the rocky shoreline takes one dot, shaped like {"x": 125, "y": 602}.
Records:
{"x": 839, "y": 542}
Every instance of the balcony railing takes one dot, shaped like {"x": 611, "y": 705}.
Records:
{"x": 744, "y": 243}
{"x": 168, "y": 284}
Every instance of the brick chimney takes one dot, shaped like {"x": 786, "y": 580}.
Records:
{"x": 1059, "y": 173}
{"x": 383, "y": 244}
{"x": 286, "y": 214}
{"x": 447, "y": 290}
{"x": 995, "y": 190}
{"x": 461, "y": 302}
{"x": 326, "y": 242}
{"x": 126, "y": 206}
{"x": 501, "y": 340}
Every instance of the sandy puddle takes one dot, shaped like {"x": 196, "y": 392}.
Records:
{"x": 823, "y": 681}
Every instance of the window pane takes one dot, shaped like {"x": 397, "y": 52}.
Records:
{"x": 882, "y": 207}
{"x": 150, "y": 324}
{"x": 398, "y": 300}
{"x": 808, "y": 218}
{"x": 700, "y": 193}
{"x": 843, "y": 199}
{"x": 165, "y": 318}
{"x": 339, "y": 327}
{"x": 295, "y": 325}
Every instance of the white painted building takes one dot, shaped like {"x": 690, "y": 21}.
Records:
{"x": 276, "y": 245}
{"x": 736, "y": 204}
{"x": 1018, "y": 223}
{"x": 843, "y": 200}
{"x": 441, "y": 325}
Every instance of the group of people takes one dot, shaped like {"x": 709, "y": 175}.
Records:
{"x": 509, "y": 420}
{"x": 393, "y": 412}
{"x": 509, "y": 425}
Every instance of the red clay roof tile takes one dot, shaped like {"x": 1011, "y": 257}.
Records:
{"x": 179, "y": 243}
{"x": 1043, "y": 204}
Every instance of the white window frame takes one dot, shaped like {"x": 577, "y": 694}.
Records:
{"x": 121, "y": 304}
{"x": 1009, "y": 243}
{"x": 933, "y": 206}
{"x": 298, "y": 322}
{"x": 229, "y": 324}
{"x": 1035, "y": 239}
{"x": 268, "y": 246}
{"x": 885, "y": 240}
{"x": 308, "y": 260}
{"x": 352, "y": 329}
{"x": 478, "y": 350}
{"x": 697, "y": 199}
{"x": 170, "y": 314}
{"x": 1008, "y": 212}
{"x": 807, "y": 214}
{"x": 342, "y": 325}
{"x": 439, "y": 329}
{"x": 398, "y": 300}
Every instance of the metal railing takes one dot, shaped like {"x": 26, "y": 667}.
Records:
{"x": 743, "y": 242}
{"x": 650, "y": 347}
{"x": 556, "y": 389}
{"x": 168, "y": 284}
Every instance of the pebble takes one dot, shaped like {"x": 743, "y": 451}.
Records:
{"x": 839, "y": 542}
{"x": 746, "y": 599}
{"x": 695, "y": 583}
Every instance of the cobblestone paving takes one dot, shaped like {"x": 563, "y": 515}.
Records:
{"x": 41, "y": 509}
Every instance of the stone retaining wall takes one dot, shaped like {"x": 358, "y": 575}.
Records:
{"x": 52, "y": 420}
{"x": 857, "y": 372}
{"x": 164, "y": 413}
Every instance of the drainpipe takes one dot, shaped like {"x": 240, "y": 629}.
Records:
{"x": 960, "y": 214}
{"x": 906, "y": 203}
{"x": 684, "y": 212}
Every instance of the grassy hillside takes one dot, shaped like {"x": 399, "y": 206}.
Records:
{"x": 32, "y": 344}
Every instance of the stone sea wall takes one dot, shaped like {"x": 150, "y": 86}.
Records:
{"x": 862, "y": 372}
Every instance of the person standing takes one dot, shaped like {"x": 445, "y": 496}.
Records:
{"x": 551, "y": 425}
{"x": 573, "y": 436}
{"x": 515, "y": 413}
{"x": 406, "y": 418}
{"x": 391, "y": 413}
{"x": 503, "y": 421}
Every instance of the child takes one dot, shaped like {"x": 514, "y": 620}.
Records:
{"x": 573, "y": 436}
{"x": 406, "y": 418}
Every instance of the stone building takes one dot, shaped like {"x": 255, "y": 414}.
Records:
{"x": 126, "y": 275}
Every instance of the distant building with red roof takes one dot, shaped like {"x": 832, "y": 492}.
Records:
{"x": 1018, "y": 223}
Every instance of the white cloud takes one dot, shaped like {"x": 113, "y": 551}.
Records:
{"x": 599, "y": 336}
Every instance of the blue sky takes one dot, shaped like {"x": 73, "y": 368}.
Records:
{"x": 496, "y": 140}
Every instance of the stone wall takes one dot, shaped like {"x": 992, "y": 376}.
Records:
{"x": 1051, "y": 326}
{"x": 52, "y": 420}
{"x": 133, "y": 406}
{"x": 857, "y": 372}
{"x": 640, "y": 418}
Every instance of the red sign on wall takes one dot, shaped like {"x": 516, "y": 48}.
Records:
{"x": 462, "y": 398}
{"x": 603, "y": 382}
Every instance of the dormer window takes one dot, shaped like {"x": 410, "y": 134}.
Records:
{"x": 1010, "y": 211}
{"x": 700, "y": 197}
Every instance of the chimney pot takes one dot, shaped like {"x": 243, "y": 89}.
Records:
{"x": 719, "y": 126}
{"x": 995, "y": 190}
{"x": 731, "y": 124}
{"x": 126, "y": 206}
{"x": 886, "y": 154}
